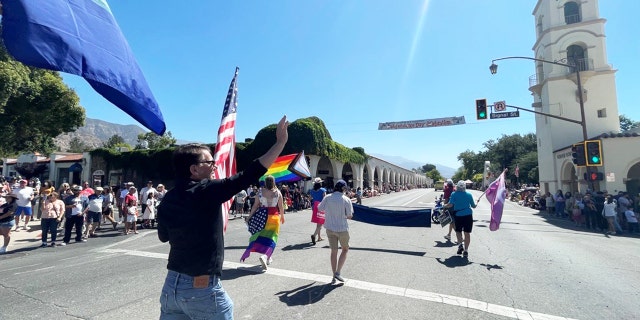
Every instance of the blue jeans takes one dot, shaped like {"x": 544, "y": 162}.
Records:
{"x": 180, "y": 300}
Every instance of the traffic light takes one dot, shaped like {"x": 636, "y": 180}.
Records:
{"x": 481, "y": 109}
{"x": 593, "y": 150}
{"x": 594, "y": 176}
{"x": 578, "y": 154}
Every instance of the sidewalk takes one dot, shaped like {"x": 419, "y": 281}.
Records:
{"x": 22, "y": 239}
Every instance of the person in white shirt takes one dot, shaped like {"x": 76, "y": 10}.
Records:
{"x": 24, "y": 195}
{"x": 609, "y": 212}
{"x": 337, "y": 208}
{"x": 632, "y": 221}
{"x": 144, "y": 194}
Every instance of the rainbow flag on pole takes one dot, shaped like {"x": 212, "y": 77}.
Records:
{"x": 289, "y": 168}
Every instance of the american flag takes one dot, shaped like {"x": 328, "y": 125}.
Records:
{"x": 225, "y": 152}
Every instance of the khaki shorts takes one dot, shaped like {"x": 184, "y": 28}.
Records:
{"x": 335, "y": 237}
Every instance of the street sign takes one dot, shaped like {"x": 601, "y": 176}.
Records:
{"x": 500, "y": 115}
{"x": 499, "y": 106}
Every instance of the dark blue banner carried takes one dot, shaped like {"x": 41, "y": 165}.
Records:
{"x": 81, "y": 37}
{"x": 393, "y": 218}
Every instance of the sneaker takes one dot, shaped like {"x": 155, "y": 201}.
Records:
{"x": 43, "y": 245}
{"x": 269, "y": 261}
{"x": 53, "y": 244}
{"x": 460, "y": 249}
{"x": 465, "y": 254}
{"x": 313, "y": 239}
{"x": 263, "y": 262}
{"x": 62, "y": 244}
{"x": 338, "y": 277}
{"x": 26, "y": 228}
{"x": 3, "y": 250}
{"x": 448, "y": 237}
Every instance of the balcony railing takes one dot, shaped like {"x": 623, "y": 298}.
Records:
{"x": 580, "y": 64}
{"x": 574, "y": 18}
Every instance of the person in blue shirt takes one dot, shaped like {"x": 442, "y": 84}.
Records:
{"x": 462, "y": 201}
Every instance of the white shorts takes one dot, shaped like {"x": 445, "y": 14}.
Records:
{"x": 131, "y": 218}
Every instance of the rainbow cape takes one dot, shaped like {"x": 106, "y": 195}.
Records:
{"x": 289, "y": 168}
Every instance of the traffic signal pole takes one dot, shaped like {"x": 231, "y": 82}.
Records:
{"x": 494, "y": 69}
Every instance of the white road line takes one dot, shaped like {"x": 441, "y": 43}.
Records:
{"x": 376, "y": 287}
{"x": 35, "y": 270}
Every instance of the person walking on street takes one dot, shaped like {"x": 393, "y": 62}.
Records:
{"x": 269, "y": 214}
{"x": 462, "y": 201}
{"x": 317, "y": 194}
{"x": 7, "y": 210}
{"x": 338, "y": 208}
{"x": 446, "y": 194}
{"x": 191, "y": 220}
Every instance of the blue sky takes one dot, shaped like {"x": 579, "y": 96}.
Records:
{"x": 353, "y": 64}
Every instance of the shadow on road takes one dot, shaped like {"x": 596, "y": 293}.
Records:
{"x": 454, "y": 261}
{"x": 444, "y": 244}
{"x": 307, "y": 294}
{"x": 230, "y": 274}
{"x": 491, "y": 266}
{"x": 297, "y": 246}
{"x": 410, "y": 253}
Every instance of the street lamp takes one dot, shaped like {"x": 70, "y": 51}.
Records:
{"x": 494, "y": 69}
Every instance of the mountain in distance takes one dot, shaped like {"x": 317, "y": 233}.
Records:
{"x": 445, "y": 171}
{"x": 95, "y": 132}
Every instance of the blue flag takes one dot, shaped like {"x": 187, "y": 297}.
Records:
{"x": 81, "y": 37}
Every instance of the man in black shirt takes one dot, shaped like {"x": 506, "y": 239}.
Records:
{"x": 190, "y": 219}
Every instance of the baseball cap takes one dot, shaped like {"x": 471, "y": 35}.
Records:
{"x": 23, "y": 181}
{"x": 99, "y": 189}
{"x": 77, "y": 188}
{"x": 340, "y": 184}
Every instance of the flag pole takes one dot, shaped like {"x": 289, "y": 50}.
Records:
{"x": 485, "y": 190}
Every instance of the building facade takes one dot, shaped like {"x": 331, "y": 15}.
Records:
{"x": 572, "y": 32}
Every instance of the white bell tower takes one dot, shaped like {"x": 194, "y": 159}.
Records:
{"x": 570, "y": 32}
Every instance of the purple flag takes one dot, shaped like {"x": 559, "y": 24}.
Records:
{"x": 496, "y": 194}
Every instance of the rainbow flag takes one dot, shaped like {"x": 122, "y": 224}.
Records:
{"x": 289, "y": 168}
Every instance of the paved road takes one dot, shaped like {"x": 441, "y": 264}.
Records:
{"x": 532, "y": 268}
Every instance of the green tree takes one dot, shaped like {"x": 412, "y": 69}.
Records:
{"x": 505, "y": 152}
{"x": 76, "y": 146}
{"x": 116, "y": 142}
{"x": 627, "y": 124}
{"x": 151, "y": 140}
{"x": 35, "y": 107}
{"x": 428, "y": 167}
{"x": 434, "y": 174}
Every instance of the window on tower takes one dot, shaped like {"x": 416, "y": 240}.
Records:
{"x": 572, "y": 12}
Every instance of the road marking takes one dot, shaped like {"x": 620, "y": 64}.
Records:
{"x": 376, "y": 287}
{"x": 35, "y": 270}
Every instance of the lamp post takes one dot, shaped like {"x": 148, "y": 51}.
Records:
{"x": 494, "y": 69}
